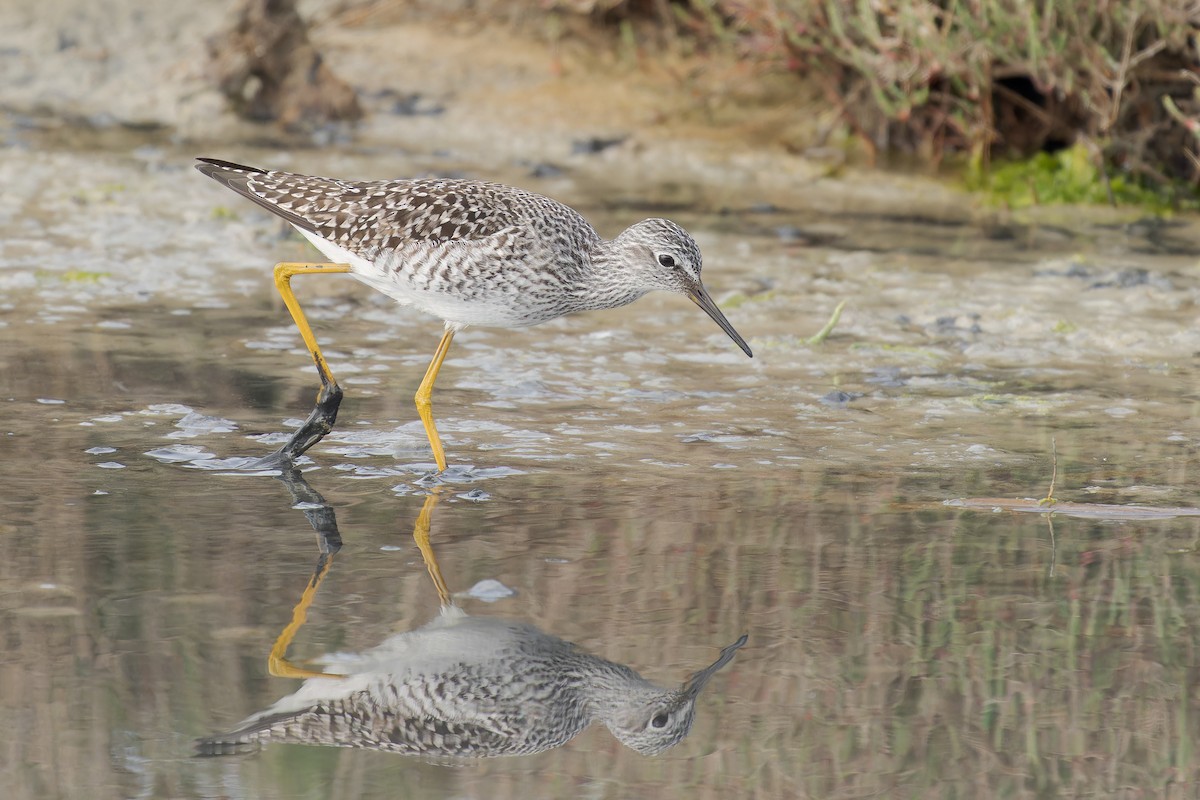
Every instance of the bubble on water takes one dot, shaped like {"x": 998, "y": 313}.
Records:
{"x": 194, "y": 424}
{"x": 358, "y": 452}
{"x": 428, "y": 476}
{"x": 240, "y": 466}
{"x": 489, "y": 590}
{"x": 272, "y": 439}
{"x": 49, "y": 401}
{"x": 165, "y": 409}
{"x": 470, "y": 473}
{"x": 432, "y": 478}
{"x": 110, "y": 465}
{"x": 475, "y": 496}
{"x": 178, "y": 453}
{"x": 480, "y": 426}
{"x": 367, "y": 471}
{"x": 99, "y": 451}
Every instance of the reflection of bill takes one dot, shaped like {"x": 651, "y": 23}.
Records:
{"x": 465, "y": 686}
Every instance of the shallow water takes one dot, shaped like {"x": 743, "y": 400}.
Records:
{"x": 645, "y": 490}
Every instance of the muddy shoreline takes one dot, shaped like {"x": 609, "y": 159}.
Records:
{"x": 501, "y": 105}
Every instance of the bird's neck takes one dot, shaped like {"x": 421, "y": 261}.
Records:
{"x": 611, "y": 281}
{"x": 609, "y": 685}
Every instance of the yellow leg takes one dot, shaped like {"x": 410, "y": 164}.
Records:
{"x": 421, "y": 537}
{"x": 277, "y": 663}
{"x": 424, "y": 395}
{"x": 329, "y": 397}
{"x": 283, "y": 282}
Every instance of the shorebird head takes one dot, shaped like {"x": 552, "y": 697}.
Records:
{"x": 650, "y": 720}
{"x": 666, "y": 257}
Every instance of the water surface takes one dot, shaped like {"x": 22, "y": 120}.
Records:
{"x": 645, "y": 490}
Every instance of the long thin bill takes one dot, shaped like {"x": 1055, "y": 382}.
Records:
{"x": 700, "y": 297}
{"x": 694, "y": 684}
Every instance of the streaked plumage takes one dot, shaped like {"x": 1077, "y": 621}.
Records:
{"x": 470, "y": 253}
{"x": 473, "y": 687}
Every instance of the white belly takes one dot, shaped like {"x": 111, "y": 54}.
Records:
{"x": 457, "y": 312}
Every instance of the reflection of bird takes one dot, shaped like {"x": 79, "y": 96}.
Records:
{"x": 458, "y": 686}
{"x": 472, "y": 253}
{"x": 474, "y": 687}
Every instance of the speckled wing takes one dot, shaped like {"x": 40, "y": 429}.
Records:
{"x": 468, "y": 252}
{"x": 405, "y": 735}
{"x": 336, "y": 725}
{"x": 366, "y": 217}
{"x": 414, "y": 718}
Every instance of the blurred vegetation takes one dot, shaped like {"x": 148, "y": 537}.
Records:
{"x": 1069, "y": 176}
{"x": 983, "y": 78}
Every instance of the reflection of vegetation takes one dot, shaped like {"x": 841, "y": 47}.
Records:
{"x": 1074, "y": 683}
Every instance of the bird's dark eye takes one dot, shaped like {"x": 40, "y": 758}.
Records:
{"x": 660, "y": 720}
{"x": 666, "y": 261}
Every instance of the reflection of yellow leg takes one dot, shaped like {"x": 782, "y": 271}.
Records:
{"x": 283, "y": 282}
{"x": 424, "y": 395}
{"x": 277, "y": 663}
{"x": 421, "y": 537}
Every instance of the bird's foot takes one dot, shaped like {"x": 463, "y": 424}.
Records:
{"x": 320, "y": 422}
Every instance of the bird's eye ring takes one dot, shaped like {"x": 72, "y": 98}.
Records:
{"x": 666, "y": 260}
{"x": 660, "y": 720}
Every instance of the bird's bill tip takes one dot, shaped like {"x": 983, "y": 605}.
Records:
{"x": 701, "y": 297}
{"x": 693, "y": 685}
